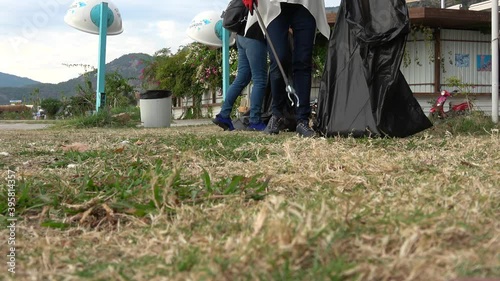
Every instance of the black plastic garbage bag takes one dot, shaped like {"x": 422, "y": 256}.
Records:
{"x": 363, "y": 92}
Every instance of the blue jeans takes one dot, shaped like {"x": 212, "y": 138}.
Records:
{"x": 303, "y": 24}
{"x": 252, "y": 65}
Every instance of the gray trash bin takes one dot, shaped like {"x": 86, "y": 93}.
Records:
{"x": 156, "y": 108}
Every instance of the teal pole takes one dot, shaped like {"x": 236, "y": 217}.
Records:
{"x": 225, "y": 62}
{"x": 100, "y": 100}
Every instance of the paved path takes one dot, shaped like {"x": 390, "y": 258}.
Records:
{"x": 23, "y": 126}
{"x": 191, "y": 122}
{"x": 34, "y": 126}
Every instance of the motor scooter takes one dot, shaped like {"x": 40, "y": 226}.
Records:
{"x": 437, "y": 109}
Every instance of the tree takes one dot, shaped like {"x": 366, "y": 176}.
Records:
{"x": 51, "y": 106}
{"x": 171, "y": 72}
{"x": 149, "y": 75}
{"x": 119, "y": 93}
{"x": 194, "y": 70}
{"x": 35, "y": 98}
{"x": 85, "y": 97}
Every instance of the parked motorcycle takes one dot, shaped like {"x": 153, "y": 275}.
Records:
{"x": 437, "y": 109}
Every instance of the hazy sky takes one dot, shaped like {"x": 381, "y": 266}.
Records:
{"x": 35, "y": 42}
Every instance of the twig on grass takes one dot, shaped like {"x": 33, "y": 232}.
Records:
{"x": 86, "y": 214}
{"x": 41, "y": 215}
{"x": 86, "y": 205}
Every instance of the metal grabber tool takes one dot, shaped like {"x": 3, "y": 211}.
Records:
{"x": 289, "y": 89}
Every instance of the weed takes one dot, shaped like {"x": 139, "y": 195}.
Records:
{"x": 105, "y": 118}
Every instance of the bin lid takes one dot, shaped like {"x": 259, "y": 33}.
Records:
{"x": 155, "y": 94}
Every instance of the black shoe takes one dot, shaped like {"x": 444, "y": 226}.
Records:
{"x": 273, "y": 126}
{"x": 304, "y": 130}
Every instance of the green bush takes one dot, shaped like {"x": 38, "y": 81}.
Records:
{"x": 106, "y": 118}
{"x": 133, "y": 111}
{"x": 23, "y": 115}
{"x": 51, "y": 106}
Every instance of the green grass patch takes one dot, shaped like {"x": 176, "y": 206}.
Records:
{"x": 475, "y": 123}
{"x": 196, "y": 203}
{"x": 104, "y": 118}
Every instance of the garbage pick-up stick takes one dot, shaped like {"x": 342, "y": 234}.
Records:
{"x": 289, "y": 89}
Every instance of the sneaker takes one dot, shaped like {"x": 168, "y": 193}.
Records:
{"x": 224, "y": 123}
{"x": 274, "y": 124}
{"x": 256, "y": 127}
{"x": 304, "y": 130}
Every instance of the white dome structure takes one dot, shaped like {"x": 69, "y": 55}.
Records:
{"x": 84, "y": 15}
{"x": 206, "y": 28}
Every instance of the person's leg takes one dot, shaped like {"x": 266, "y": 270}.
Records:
{"x": 278, "y": 31}
{"x": 242, "y": 79}
{"x": 223, "y": 119}
{"x": 304, "y": 31}
{"x": 256, "y": 52}
{"x": 278, "y": 34}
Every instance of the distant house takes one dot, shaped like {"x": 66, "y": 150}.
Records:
{"x": 14, "y": 102}
{"x": 17, "y": 108}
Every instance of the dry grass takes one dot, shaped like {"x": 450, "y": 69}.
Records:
{"x": 421, "y": 208}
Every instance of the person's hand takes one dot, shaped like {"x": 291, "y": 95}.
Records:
{"x": 249, "y": 4}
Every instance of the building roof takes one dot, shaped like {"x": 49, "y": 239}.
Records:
{"x": 479, "y": 6}
{"x": 442, "y": 18}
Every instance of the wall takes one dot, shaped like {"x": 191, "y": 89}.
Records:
{"x": 459, "y": 58}
{"x": 418, "y": 65}
{"x": 470, "y": 45}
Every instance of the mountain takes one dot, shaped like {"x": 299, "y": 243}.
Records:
{"x": 129, "y": 66}
{"x": 332, "y": 9}
{"x": 9, "y": 80}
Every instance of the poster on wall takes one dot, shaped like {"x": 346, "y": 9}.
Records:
{"x": 483, "y": 62}
{"x": 462, "y": 60}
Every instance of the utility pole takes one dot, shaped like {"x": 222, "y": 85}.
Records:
{"x": 494, "y": 61}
